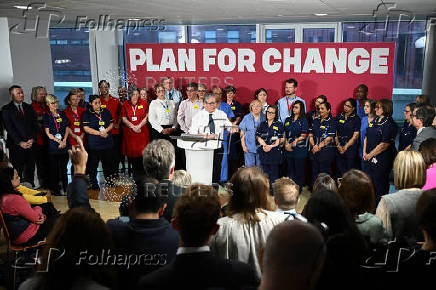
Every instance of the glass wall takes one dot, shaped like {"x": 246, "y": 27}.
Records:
{"x": 222, "y": 33}
{"x": 169, "y": 34}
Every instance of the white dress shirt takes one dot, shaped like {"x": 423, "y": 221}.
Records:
{"x": 162, "y": 113}
{"x": 187, "y": 110}
{"x": 200, "y": 123}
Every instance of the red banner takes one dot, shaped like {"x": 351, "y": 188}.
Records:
{"x": 331, "y": 69}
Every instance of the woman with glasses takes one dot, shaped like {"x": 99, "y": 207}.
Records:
{"x": 269, "y": 136}
{"x": 347, "y": 137}
{"x": 312, "y": 115}
{"x": 379, "y": 147}
{"x": 162, "y": 115}
{"x": 56, "y": 128}
{"x": 248, "y": 127}
{"x": 202, "y": 90}
{"x": 408, "y": 131}
{"x": 321, "y": 138}
{"x": 235, "y": 151}
{"x": 296, "y": 129}
{"x": 97, "y": 124}
{"x": 369, "y": 109}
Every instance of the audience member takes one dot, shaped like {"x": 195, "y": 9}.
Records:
{"x": 408, "y": 131}
{"x": 423, "y": 99}
{"x": 244, "y": 230}
{"x": 324, "y": 182}
{"x": 358, "y": 193}
{"x": 147, "y": 237}
{"x": 286, "y": 194}
{"x": 397, "y": 210}
{"x": 293, "y": 257}
{"x": 195, "y": 218}
{"x": 78, "y": 255}
{"x": 422, "y": 119}
{"x": 428, "y": 152}
{"x": 346, "y": 248}
{"x": 182, "y": 178}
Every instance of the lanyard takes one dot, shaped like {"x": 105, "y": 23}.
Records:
{"x": 165, "y": 105}
{"x": 58, "y": 126}
{"x": 75, "y": 116}
{"x": 98, "y": 116}
{"x": 134, "y": 109}
{"x": 289, "y": 107}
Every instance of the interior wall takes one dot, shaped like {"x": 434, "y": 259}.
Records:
{"x": 6, "y": 72}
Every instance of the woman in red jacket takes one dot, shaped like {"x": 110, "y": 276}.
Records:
{"x": 74, "y": 114}
{"x": 26, "y": 225}
{"x": 135, "y": 135}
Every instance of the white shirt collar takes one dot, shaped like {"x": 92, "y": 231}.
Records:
{"x": 419, "y": 130}
{"x": 191, "y": 250}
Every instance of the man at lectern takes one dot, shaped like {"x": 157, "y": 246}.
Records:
{"x": 211, "y": 122}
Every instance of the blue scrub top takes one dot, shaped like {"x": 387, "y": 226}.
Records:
{"x": 50, "y": 122}
{"x": 407, "y": 135}
{"x": 249, "y": 126}
{"x": 360, "y": 111}
{"x": 363, "y": 128}
{"x": 382, "y": 130}
{"x": 321, "y": 131}
{"x": 293, "y": 130}
{"x": 345, "y": 129}
{"x": 270, "y": 135}
{"x": 92, "y": 120}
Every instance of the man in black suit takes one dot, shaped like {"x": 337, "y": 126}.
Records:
{"x": 147, "y": 240}
{"x": 195, "y": 218}
{"x": 21, "y": 126}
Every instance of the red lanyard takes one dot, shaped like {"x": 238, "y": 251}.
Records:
{"x": 289, "y": 107}
{"x": 98, "y": 116}
{"x": 134, "y": 110}
{"x": 58, "y": 126}
{"x": 76, "y": 116}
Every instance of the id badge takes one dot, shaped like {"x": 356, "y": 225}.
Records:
{"x": 59, "y": 120}
{"x": 58, "y": 136}
{"x": 101, "y": 123}
{"x": 76, "y": 130}
{"x": 134, "y": 118}
{"x": 274, "y": 138}
{"x": 101, "y": 129}
{"x": 76, "y": 123}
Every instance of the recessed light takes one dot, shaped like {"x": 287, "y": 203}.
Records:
{"x": 22, "y": 7}
{"x": 320, "y": 14}
{"x": 134, "y": 19}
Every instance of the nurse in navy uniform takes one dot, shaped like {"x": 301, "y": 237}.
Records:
{"x": 296, "y": 130}
{"x": 347, "y": 137}
{"x": 97, "y": 124}
{"x": 321, "y": 137}
{"x": 408, "y": 131}
{"x": 269, "y": 135}
{"x": 379, "y": 147}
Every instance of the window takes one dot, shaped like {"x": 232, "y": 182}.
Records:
{"x": 317, "y": 35}
{"x": 222, "y": 33}
{"x": 169, "y": 34}
{"x": 280, "y": 36}
{"x": 70, "y": 60}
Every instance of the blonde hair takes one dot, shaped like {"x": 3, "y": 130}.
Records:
{"x": 51, "y": 99}
{"x": 253, "y": 102}
{"x": 35, "y": 92}
{"x": 286, "y": 193}
{"x": 409, "y": 170}
{"x": 202, "y": 86}
{"x": 182, "y": 178}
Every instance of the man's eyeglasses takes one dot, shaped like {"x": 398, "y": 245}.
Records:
{"x": 211, "y": 103}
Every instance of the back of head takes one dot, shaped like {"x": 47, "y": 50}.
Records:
{"x": 357, "y": 190}
{"x": 324, "y": 182}
{"x": 6, "y": 176}
{"x": 158, "y": 159}
{"x": 182, "y": 178}
{"x": 293, "y": 255}
{"x": 286, "y": 193}
{"x": 150, "y": 196}
{"x": 426, "y": 114}
{"x": 195, "y": 214}
{"x": 428, "y": 151}
{"x": 79, "y": 237}
{"x": 426, "y": 213}
{"x": 250, "y": 190}
{"x": 409, "y": 170}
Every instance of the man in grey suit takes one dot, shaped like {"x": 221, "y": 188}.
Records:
{"x": 422, "y": 119}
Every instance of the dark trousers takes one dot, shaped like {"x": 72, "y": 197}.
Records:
{"x": 296, "y": 169}
{"x": 137, "y": 166}
{"x": 379, "y": 174}
{"x": 106, "y": 158}
{"x": 344, "y": 164}
{"x": 272, "y": 170}
{"x": 320, "y": 167}
{"x": 116, "y": 149}
{"x": 179, "y": 152}
{"x": 58, "y": 172}
{"x": 217, "y": 159}
{"x": 42, "y": 165}
{"x": 23, "y": 161}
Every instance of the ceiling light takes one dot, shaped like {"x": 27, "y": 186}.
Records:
{"x": 134, "y": 19}
{"x": 320, "y": 14}
{"x": 23, "y": 7}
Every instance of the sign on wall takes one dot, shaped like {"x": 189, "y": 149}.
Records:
{"x": 331, "y": 69}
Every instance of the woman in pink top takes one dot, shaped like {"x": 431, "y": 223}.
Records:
{"x": 26, "y": 225}
{"x": 428, "y": 152}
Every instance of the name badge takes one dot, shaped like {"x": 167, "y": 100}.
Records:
{"x": 134, "y": 118}
{"x": 233, "y": 108}
{"x": 370, "y": 124}
{"x": 76, "y": 123}
{"x": 59, "y": 120}
{"x": 342, "y": 121}
{"x": 275, "y": 128}
{"x": 76, "y": 130}
{"x": 101, "y": 123}
{"x": 39, "y": 118}
{"x": 140, "y": 107}
{"x": 196, "y": 107}
{"x": 287, "y": 124}
{"x": 322, "y": 127}
{"x": 58, "y": 136}
{"x": 102, "y": 106}
{"x": 168, "y": 111}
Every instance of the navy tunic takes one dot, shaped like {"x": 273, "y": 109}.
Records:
{"x": 407, "y": 135}
{"x": 293, "y": 130}
{"x": 95, "y": 121}
{"x": 270, "y": 135}
{"x": 382, "y": 131}
{"x": 321, "y": 131}
{"x": 56, "y": 126}
{"x": 345, "y": 129}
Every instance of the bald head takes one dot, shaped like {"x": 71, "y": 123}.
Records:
{"x": 294, "y": 255}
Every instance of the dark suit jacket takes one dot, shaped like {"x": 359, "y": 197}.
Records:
{"x": 201, "y": 271}
{"x": 426, "y": 133}
{"x": 19, "y": 129}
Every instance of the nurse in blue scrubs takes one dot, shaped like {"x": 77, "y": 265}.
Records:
{"x": 408, "y": 131}
{"x": 269, "y": 135}
{"x": 296, "y": 130}
{"x": 347, "y": 137}
{"x": 248, "y": 127}
{"x": 379, "y": 147}
{"x": 321, "y": 138}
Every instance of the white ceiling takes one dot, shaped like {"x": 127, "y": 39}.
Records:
{"x": 232, "y": 11}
